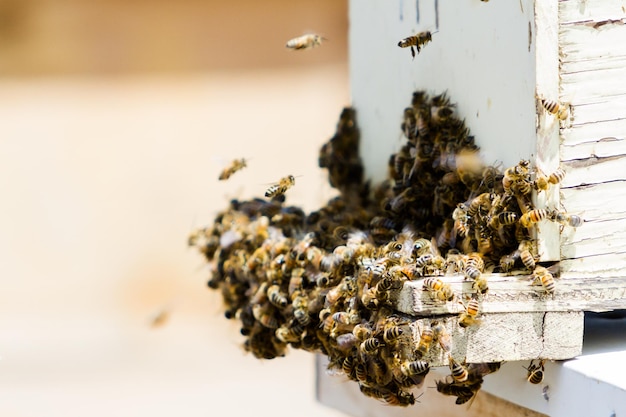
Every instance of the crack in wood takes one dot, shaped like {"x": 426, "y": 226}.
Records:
{"x": 592, "y": 160}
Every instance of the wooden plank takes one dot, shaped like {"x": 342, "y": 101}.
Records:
{"x": 594, "y": 266}
{"x": 518, "y": 294}
{"x": 601, "y": 238}
{"x": 594, "y": 170}
{"x": 602, "y": 148}
{"x": 508, "y": 337}
{"x": 600, "y": 84}
{"x": 600, "y": 109}
{"x": 574, "y": 11}
{"x": 583, "y": 42}
{"x": 592, "y": 132}
{"x": 598, "y": 201}
{"x": 610, "y": 62}
{"x": 547, "y": 132}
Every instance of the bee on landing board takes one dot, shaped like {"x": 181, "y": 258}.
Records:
{"x": 236, "y": 165}
{"x": 307, "y": 41}
{"x": 281, "y": 187}
{"x": 416, "y": 42}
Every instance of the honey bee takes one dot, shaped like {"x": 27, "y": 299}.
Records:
{"x": 545, "y": 277}
{"x": 426, "y": 339}
{"x": 463, "y": 392}
{"x": 392, "y": 333}
{"x": 559, "y": 110}
{"x": 441, "y": 335}
{"x": 276, "y": 297}
{"x": 459, "y": 372}
{"x": 362, "y": 332}
{"x": 526, "y": 254}
{"x": 281, "y": 187}
{"x": 370, "y": 345}
{"x": 481, "y": 285}
{"x": 417, "y": 41}
{"x": 234, "y": 166}
{"x": 566, "y": 219}
{"x": 263, "y": 316}
{"x": 438, "y": 289}
{"x": 468, "y": 317}
{"x": 307, "y": 41}
{"x": 348, "y": 366}
{"x": 533, "y": 216}
{"x": 507, "y": 262}
{"x": 461, "y": 218}
{"x": 412, "y": 368}
{"x": 160, "y": 318}
{"x": 474, "y": 266}
{"x": 535, "y": 372}
{"x": 557, "y": 176}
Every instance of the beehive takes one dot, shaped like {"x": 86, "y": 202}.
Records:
{"x": 495, "y": 59}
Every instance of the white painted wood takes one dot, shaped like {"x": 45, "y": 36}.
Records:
{"x": 499, "y": 106}
{"x": 517, "y": 295}
{"x": 592, "y": 40}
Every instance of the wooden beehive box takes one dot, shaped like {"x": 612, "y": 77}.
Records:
{"x": 494, "y": 59}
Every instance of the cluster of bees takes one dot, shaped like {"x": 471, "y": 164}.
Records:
{"x": 327, "y": 281}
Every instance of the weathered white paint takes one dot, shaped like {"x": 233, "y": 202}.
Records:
{"x": 592, "y": 40}
{"x": 495, "y": 96}
{"x": 518, "y": 294}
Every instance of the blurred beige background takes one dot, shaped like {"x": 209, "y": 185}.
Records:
{"x": 115, "y": 119}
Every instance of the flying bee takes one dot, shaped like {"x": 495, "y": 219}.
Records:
{"x": 426, "y": 339}
{"x": 281, "y": 187}
{"x": 307, "y": 41}
{"x": 234, "y": 166}
{"x": 535, "y": 372}
{"x": 417, "y": 41}
{"x": 533, "y": 216}
{"x": 459, "y": 372}
{"x": 566, "y": 219}
{"x": 468, "y": 317}
{"x": 411, "y": 368}
{"x": 559, "y": 110}
{"x": 438, "y": 289}
{"x": 545, "y": 277}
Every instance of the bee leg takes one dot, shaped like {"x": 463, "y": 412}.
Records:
{"x": 413, "y": 52}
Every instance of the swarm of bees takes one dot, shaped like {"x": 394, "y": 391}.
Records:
{"x": 327, "y": 281}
